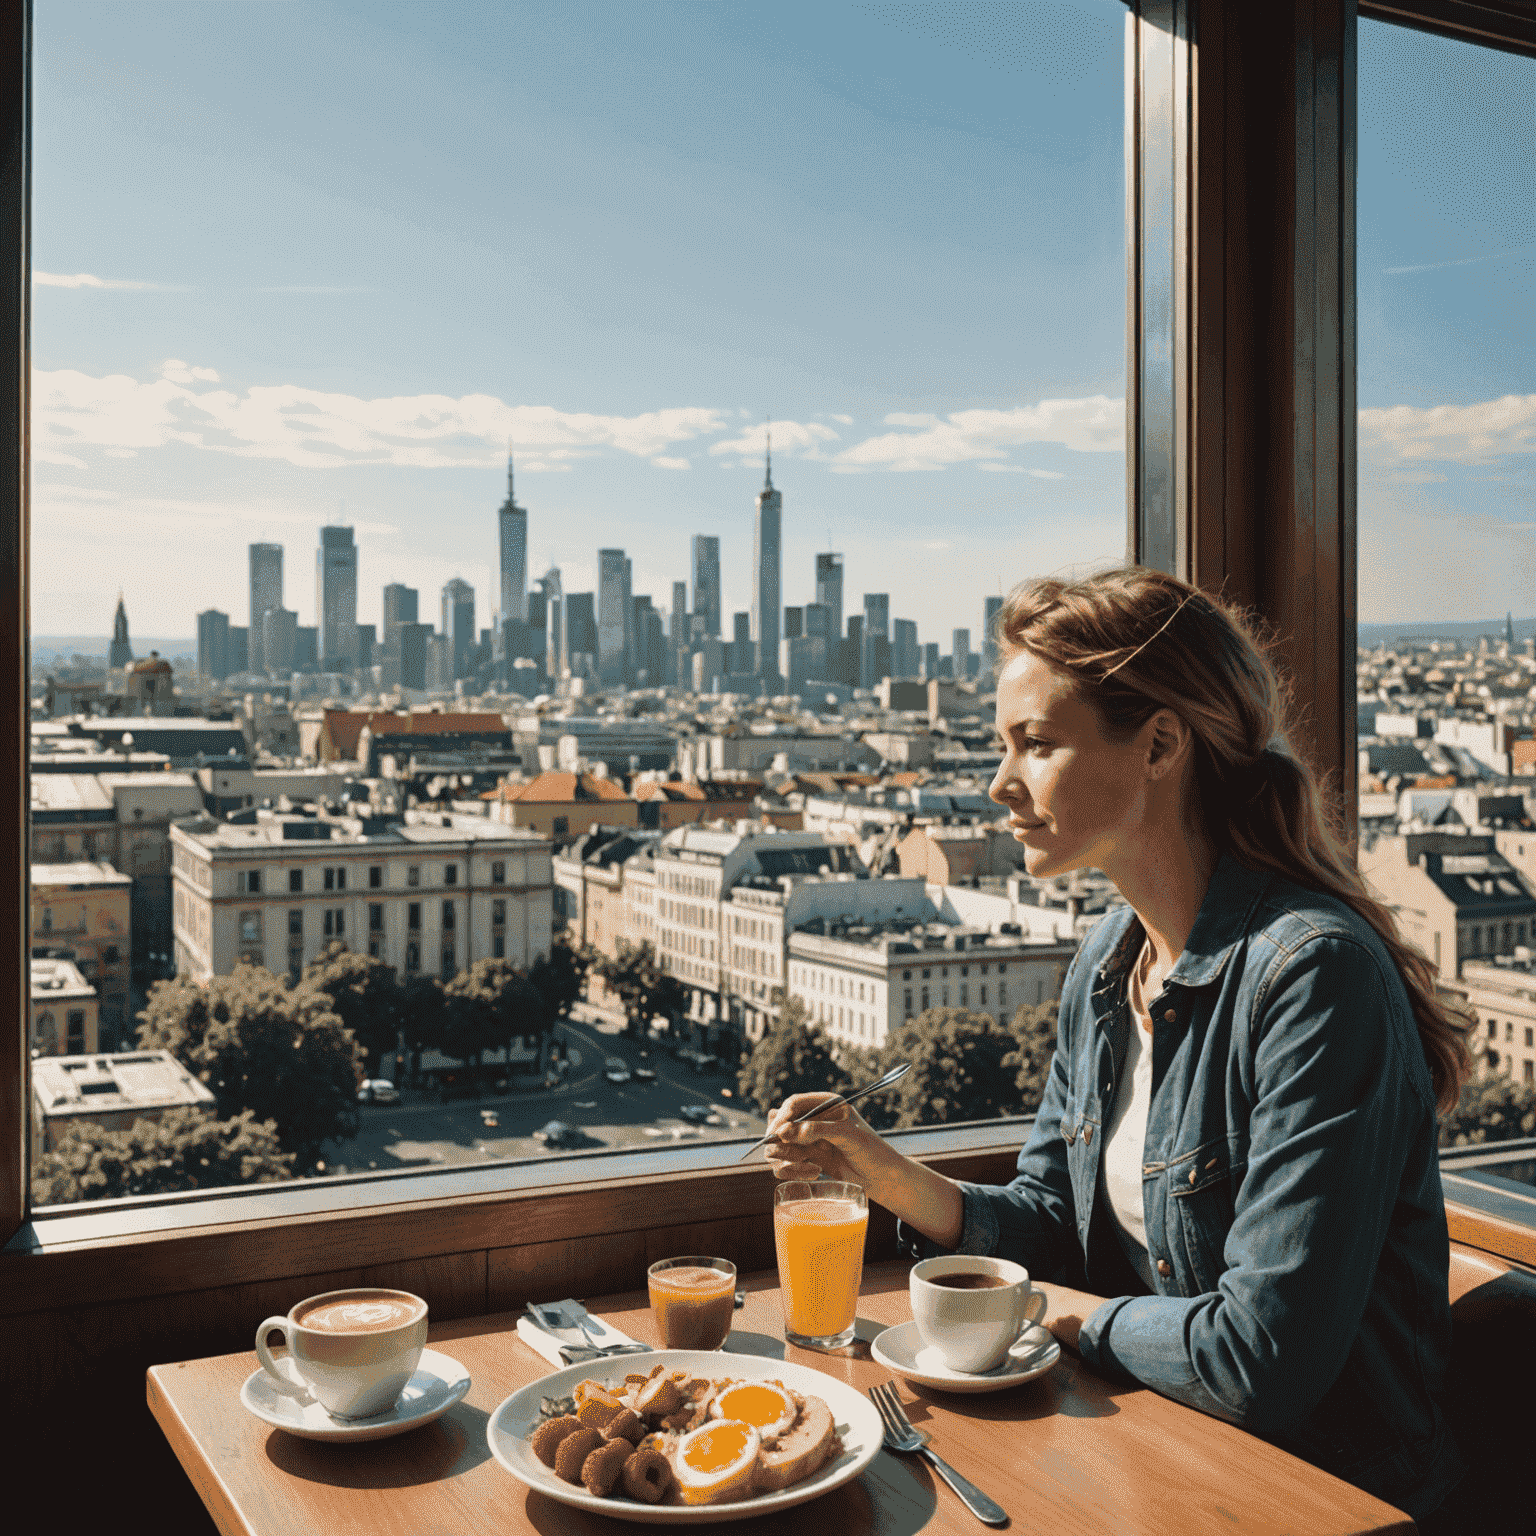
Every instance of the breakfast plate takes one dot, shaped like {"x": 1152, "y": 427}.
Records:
{"x": 902, "y": 1349}
{"x": 856, "y": 1420}
{"x": 438, "y": 1383}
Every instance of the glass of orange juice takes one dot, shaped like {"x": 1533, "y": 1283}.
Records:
{"x": 818, "y": 1232}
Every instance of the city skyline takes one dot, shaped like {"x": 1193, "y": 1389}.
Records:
{"x": 293, "y": 358}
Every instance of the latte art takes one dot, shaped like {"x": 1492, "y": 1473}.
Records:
{"x": 359, "y": 1314}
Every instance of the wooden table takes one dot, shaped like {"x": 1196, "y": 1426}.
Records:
{"x": 1064, "y": 1454}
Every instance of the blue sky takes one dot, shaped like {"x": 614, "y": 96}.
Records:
{"x": 312, "y": 263}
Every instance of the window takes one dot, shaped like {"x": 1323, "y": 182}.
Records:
{"x": 498, "y": 872}
{"x": 498, "y": 912}
{"x": 296, "y": 921}
{"x": 1529, "y": 1042}
{"x": 449, "y": 965}
{"x": 448, "y": 916}
{"x": 375, "y": 917}
{"x": 375, "y": 876}
{"x": 450, "y": 874}
{"x": 1528, "y": 1070}
{"x": 75, "y": 1029}
{"x": 413, "y": 874}
{"x": 335, "y": 922}
{"x": 295, "y": 879}
{"x": 561, "y": 826}
{"x": 1493, "y": 1029}
{"x": 1509, "y": 1030}
{"x": 412, "y": 957}
{"x": 295, "y": 965}
{"x": 250, "y": 926}
{"x": 413, "y": 915}
{"x": 375, "y": 946}
{"x": 253, "y": 881}
{"x": 336, "y": 878}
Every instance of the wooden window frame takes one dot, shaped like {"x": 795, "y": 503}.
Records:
{"x": 1240, "y": 475}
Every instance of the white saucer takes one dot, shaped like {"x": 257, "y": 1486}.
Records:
{"x": 440, "y": 1381}
{"x": 901, "y": 1348}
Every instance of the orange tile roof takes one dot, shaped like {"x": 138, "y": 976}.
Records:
{"x": 345, "y": 726}
{"x": 555, "y": 788}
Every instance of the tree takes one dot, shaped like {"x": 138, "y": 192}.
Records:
{"x": 423, "y": 1015}
{"x": 1491, "y": 1108}
{"x": 1033, "y": 1028}
{"x": 260, "y": 1046}
{"x": 636, "y": 976}
{"x": 184, "y": 1150}
{"x": 489, "y": 1004}
{"x": 794, "y": 1056}
{"x": 363, "y": 993}
{"x": 965, "y": 1066}
{"x": 561, "y": 974}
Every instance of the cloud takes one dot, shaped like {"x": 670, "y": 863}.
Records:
{"x": 179, "y": 372}
{"x": 1020, "y": 469}
{"x": 89, "y": 280}
{"x": 74, "y": 411}
{"x": 662, "y": 462}
{"x": 803, "y": 438}
{"x": 1092, "y": 425}
{"x": 1451, "y": 434}
{"x": 1465, "y": 261}
{"x": 315, "y": 288}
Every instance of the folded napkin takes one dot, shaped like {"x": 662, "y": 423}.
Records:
{"x": 548, "y": 1342}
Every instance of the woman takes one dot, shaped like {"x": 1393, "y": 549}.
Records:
{"x": 1232, "y": 1176}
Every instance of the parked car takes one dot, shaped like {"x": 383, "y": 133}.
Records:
{"x": 645, "y": 1075}
{"x": 378, "y": 1090}
{"x": 699, "y": 1114}
{"x": 556, "y": 1133}
{"x": 616, "y": 1070}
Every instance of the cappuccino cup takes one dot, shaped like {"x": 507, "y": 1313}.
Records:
{"x": 354, "y": 1350}
{"x": 972, "y": 1310}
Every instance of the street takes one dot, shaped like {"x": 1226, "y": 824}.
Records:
{"x": 420, "y": 1132}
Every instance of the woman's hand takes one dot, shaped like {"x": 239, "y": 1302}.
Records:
{"x": 1067, "y": 1310}
{"x": 837, "y": 1145}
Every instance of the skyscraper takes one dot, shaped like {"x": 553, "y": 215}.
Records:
{"x": 613, "y": 615}
{"x": 400, "y": 606}
{"x": 581, "y": 633}
{"x": 875, "y": 652}
{"x": 766, "y": 571}
{"x": 120, "y": 652}
{"x": 906, "y": 658}
{"x": 336, "y": 599}
{"x": 459, "y": 625}
{"x": 829, "y": 592}
{"x": 706, "y": 581}
{"x": 677, "y": 633}
{"x": 555, "y": 649}
{"x": 512, "y": 521}
{"x": 279, "y": 639}
{"x": 213, "y": 645}
{"x": 990, "y": 608}
{"x": 266, "y": 592}
{"x": 961, "y": 649}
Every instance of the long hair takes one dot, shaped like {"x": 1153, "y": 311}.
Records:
{"x": 1135, "y": 641}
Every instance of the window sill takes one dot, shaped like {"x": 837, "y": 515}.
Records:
{"x": 157, "y": 1245}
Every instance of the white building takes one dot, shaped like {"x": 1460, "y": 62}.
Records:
{"x": 862, "y": 981}
{"x": 430, "y": 894}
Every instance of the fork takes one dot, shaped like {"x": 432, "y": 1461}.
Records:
{"x": 901, "y": 1436}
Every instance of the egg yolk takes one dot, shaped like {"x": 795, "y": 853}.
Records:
{"x": 712, "y": 1450}
{"x": 757, "y": 1405}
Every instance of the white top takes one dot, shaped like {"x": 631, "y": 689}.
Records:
{"x": 1124, "y": 1144}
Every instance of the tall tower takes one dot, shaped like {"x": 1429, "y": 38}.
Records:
{"x": 336, "y": 599}
{"x": 706, "y": 582}
{"x": 512, "y": 526}
{"x": 766, "y": 571}
{"x": 829, "y": 592}
{"x": 556, "y": 662}
{"x": 459, "y": 624}
{"x": 266, "y": 594}
{"x": 120, "y": 653}
{"x": 990, "y": 608}
{"x": 613, "y": 615}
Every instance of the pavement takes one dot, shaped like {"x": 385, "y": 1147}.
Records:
{"x": 420, "y": 1132}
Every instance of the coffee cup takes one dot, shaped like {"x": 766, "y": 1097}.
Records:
{"x": 353, "y": 1350}
{"x": 972, "y": 1310}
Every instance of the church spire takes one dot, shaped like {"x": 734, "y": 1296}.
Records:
{"x": 120, "y": 653}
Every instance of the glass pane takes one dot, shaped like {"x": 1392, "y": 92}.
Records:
{"x": 1447, "y": 573}
{"x": 485, "y": 311}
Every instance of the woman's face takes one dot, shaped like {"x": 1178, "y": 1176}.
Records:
{"x": 1076, "y": 800}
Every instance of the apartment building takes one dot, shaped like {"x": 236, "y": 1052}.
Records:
{"x": 111, "y": 1091}
{"x": 1455, "y": 896}
{"x": 560, "y": 805}
{"x": 1501, "y": 995}
{"x": 64, "y": 1014}
{"x": 83, "y": 913}
{"x": 429, "y": 894}
{"x": 861, "y": 981}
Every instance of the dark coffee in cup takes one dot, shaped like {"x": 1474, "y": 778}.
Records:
{"x": 972, "y": 1281}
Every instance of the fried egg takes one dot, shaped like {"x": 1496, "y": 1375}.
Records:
{"x": 716, "y": 1463}
{"x": 768, "y": 1408}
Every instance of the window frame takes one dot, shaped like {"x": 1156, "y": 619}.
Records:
{"x": 1240, "y": 472}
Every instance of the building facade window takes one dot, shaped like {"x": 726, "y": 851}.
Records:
{"x": 413, "y": 915}
{"x": 450, "y": 874}
{"x": 449, "y": 964}
{"x": 335, "y": 922}
{"x": 296, "y": 921}
{"x": 253, "y": 881}
{"x": 498, "y": 872}
{"x": 295, "y": 879}
{"x": 74, "y": 1023}
{"x": 250, "y": 927}
{"x": 412, "y": 957}
{"x": 375, "y": 917}
{"x": 448, "y": 915}
{"x": 375, "y": 876}
{"x": 413, "y": 874}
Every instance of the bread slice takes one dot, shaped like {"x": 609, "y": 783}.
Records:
{"x": 800, "y": 1451}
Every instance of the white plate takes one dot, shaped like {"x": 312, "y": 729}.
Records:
{"x": 902, "y": 1349}
{"x": 853, "y": 1414}
{"x": 438, "y": 1383}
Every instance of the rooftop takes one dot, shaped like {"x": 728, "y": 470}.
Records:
{"x": 77, "y": 876}
{"x": 58, "y": 981}
{"x": 93, "y": 1085}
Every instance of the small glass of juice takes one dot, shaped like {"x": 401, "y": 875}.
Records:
{"x": 818, "y": 1232}
{"x": 692, "y": 1300}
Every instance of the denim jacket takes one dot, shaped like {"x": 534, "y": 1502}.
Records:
{"x": 1294, "y": 1216}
